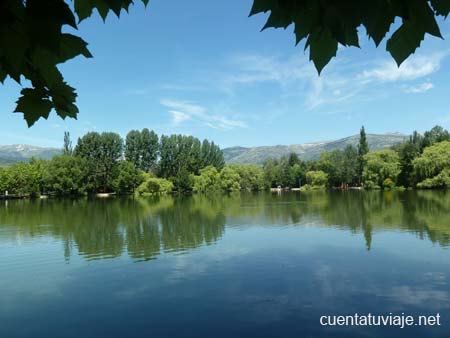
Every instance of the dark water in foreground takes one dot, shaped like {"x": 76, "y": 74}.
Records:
{"x": 229, "y": 266}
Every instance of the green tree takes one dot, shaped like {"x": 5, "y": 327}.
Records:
{"x": 333, "y": 164}
{"x": 141, "y": 149}
{"x": 133, "y": 148}
{"x": 350, "y": 165}
{"x": 317, "y": 178}
{"x": 23, "y": 178}
{"x": 251, "y": 176}
{"x": 149, "y": 150}
{"x": 380, "y": 165}
{"x": 435, "y": 135}
{"x": 229, "y": 180}
{"x": 407, "y": 151}
{"x": 102, "y": 153}
{"x": 432, "y": 168}
{"x": 127, "y": 179}
{"x": 207, "y": 181}
{"x": 152, "y": 186}
{"x": 67, "y": 147}
{"x": 363, "y": 149}
{"x": 66, "y": 175}
{"x": 270, "y": 172}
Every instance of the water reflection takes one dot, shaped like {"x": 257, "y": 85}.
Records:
{"x": 143, "y": 228}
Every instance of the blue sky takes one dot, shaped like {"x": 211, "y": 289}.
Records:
{"x": 204, "y": 68}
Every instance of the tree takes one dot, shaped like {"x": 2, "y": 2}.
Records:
{"x": 332, "y": 163}
{"x": 67, "y": 147}
{"x": 149, "y": 147}
{"x": 133, "y": 151}
{"x": 251, "y": 176}
{"x": 380, "y": 165}
{"x": 66, "y": 175}
{"x": 141, "y": 149}
{"x": 433, "y": 167}
{"x": 152, "y": 185}
{"x": 127, "y": 179}
{"x": 207, "y": 181}
{"x": 35, "y": 39}
{"x": 363, "y": 149}
{"x": 317, "y": 178}
{"x": 23, "y": 178}
{"x": 102, "y": 152}
{"x": 350, "y": 165}
{"x": 435, "y": 135}
{"x": 407, "y": 151}
{"x": 229, "y": 180}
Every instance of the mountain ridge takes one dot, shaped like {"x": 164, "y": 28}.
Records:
{"x": 307, "y": 151}
{"x": 14, "y": 153}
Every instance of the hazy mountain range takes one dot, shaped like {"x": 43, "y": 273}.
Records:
{"x": 23, "y": 153}
{"x": 307, "y": 151}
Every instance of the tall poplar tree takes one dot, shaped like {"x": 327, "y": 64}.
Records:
{"x": 363, "y": 149}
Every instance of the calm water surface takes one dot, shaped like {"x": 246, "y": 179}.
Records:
{"x": 229, "y": 266}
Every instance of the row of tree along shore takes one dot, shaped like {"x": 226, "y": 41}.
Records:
{"x": 145, "y": 164}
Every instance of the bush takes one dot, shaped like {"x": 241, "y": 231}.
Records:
{"x": 388, "y": 183}
{"x": 317, "y": 178}
{"x": 152, "y": 186}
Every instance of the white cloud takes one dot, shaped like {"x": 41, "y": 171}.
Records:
{"x": 182, "y": 111}
{"x": 295, "y": 76}
{"x": 421, "y": 88}
{"x": 411, "y": 69}
{"x": 179, "y": 117}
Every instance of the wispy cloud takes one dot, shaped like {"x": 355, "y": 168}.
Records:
{"x": 341, "y": 82}
{"x": 179, "y": 117}
{"x": 295, "y": 76}
{"x": 411, "y": 69}
{"x": 182, "y": 111}
{"x": 421, "y": 88}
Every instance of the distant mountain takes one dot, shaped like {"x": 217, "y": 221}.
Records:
{"x": 15, "y": 153}
{"x": 307, "y": 151}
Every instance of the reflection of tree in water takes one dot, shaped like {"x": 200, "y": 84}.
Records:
{"x": 104, "y": 228}
{"x": 191, "y": 222}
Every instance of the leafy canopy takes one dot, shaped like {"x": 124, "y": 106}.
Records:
{"x": 34, "y": 41}
{"x": 325, "y": 23}
{"x": 34, "y": 38}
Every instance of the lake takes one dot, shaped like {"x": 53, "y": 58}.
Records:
{"x": 245, "y": 265}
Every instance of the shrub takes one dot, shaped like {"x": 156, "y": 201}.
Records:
{"x": 152, "y": 186}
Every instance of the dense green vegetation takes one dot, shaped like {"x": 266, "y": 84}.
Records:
{"x": 423, "y": 161}
{"x": 105, "y": 163}
{"x": 146, "y": 164}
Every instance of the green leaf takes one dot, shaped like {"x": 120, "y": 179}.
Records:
{"x": 322, "y": 47}
{"x": 3, "y": 75}
{"x": 72, "y": 46}
{"x": 305, "y": 19}
{"x": 441, "y": 7}
{"x": 262, "y": 6}
{"x": 424, "y": 16}
{"x": 377, "y": 20}
{"x": 64, "y": 97}
{"x": 102, "y": 8}
{"x": 83, "y": 8}
{"x": 278, "y": 19}
{"x": 405, "y": 41}
{"x": 34, "y": 105}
